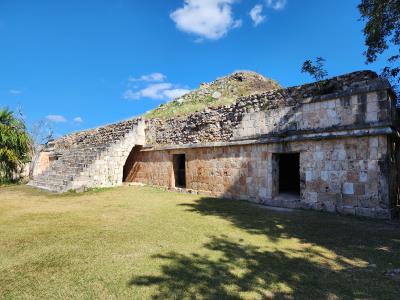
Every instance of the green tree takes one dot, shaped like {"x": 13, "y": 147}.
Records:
{"x": 315, "y": 69}
{"x": 14, "y": 145}
{"x": 382, "y": 32}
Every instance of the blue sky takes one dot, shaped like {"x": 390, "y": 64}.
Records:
{"x": 81, "y": 64}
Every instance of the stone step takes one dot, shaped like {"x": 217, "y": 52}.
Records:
{"x": 81, "y": 150}
{"x": 73, "y": 162}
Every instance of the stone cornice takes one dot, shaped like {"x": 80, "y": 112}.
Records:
{"x": 386, "y": 130}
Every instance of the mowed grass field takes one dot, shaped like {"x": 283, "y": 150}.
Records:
{"x": 143, "y": 243}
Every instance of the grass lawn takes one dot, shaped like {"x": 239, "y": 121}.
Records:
{"x": 141, "y": 242}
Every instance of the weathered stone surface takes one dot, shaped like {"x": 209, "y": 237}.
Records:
{"x": 243, "y": 172}
{"x": 343, "y": 129}
{"x": 276, "y": 112}
{"x": 92, "y": 158}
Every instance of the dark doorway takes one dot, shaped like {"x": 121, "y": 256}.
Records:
{"x": 289, "y": 173}
{"x": 131, "y": 167}
{"x": 179, "y": 170}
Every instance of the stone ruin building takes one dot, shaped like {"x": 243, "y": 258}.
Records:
{"x": 331, "y": 146}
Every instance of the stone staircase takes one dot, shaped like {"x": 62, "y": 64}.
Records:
{"x": 84, "y": 149}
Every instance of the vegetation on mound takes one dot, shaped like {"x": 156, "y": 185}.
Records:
{"x": 223, "y": 91}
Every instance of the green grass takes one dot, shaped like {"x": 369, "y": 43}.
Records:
{"x": 174, "y": 109}
{"x": 229, "y": 88}
{"x": 141, "y": 242}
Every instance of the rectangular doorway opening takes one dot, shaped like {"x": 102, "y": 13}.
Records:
{"x": 179, "y": 162}
{"x": 289, "y": 173}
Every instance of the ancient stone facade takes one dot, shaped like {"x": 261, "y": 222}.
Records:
{"x": 92, "y": 158}
{"x": 340, "y": 175}
{"x": 331, "y": 145}
{"x": 340, "y": 101}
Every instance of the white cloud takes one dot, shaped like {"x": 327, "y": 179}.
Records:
{"x": 158, "y": 91}
{"x": 153, "y": 77}
{"x": 14, "y": 92}
{"x": 256, "y": 14}
{"x": 152, "y": 86}
{"x": 155, "y": 91}
{"x": 56, "y": 118}
{"x": 277, "y": 4}
{"x": 78, "y": 120}
{"x": 207, "y": 19}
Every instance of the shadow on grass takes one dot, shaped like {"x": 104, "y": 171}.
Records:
{"x": 240, "y": 270}
{"x": 339, "y": 257}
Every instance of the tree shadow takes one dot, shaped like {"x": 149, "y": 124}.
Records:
{"x": 341, "y": 234}
{"x": 341, "y": 258}
{"x": 237, "y": 270}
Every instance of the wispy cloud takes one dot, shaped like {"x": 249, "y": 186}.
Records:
{"x": 56, "y": 118}
{"x": 206, "y": 19}
{"x": 153, "y": 91}
{"x": 153, "y": 86}
{"x": 77, "y": 120}
{"x": 159, "y": 91}
{"x": 153, "y": 77}
{"x": 14, "y": 92}
{"x": 256, "y": 15}
{"x": 277, "y": 4}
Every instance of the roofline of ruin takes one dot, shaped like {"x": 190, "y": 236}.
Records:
{"x": 374, "y": 84}
{"x": 383, "y": 130}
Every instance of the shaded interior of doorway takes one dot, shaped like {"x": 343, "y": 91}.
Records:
{"x": 289, "y": 173}
{"x": 179, "y": 170}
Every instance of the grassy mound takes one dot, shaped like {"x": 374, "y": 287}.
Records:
{"x": 222, "y": 91}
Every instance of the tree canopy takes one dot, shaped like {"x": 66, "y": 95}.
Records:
{"x": 14, "y": 145}
{"x": 382, "y": 30}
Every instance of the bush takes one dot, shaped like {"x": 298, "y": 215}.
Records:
{"x": 14, "y": 146}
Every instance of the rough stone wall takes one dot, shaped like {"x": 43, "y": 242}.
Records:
{"x": 343, "y": 128}
{"x": 343, "y": 175}
{"x": 107, "y": 170}
{"x": 280, "y": 111}
{"x": 97, "y": 136}
{"x": 93, "y": 158}
{"x": 154, "y": 168}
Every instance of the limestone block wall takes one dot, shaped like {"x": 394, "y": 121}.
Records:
{"x": 93, "y": 158}
{"x": 353, "y": 100}
{"x": 154, "y": 168}
{"x": 107, "y": 170}
{"x": 360, "y": 110}
{"x": 346, "y": 175}
{"x": 343, "y": 129}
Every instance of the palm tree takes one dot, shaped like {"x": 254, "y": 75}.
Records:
{"x": 14, "y": 145}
